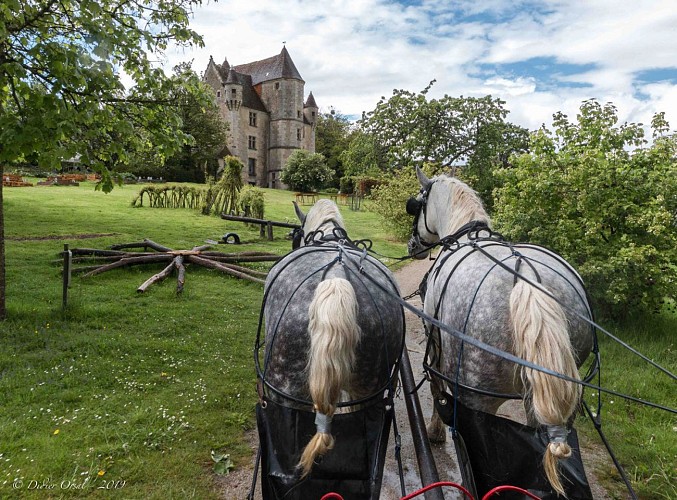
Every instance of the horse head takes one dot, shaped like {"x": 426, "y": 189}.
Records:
{"x": 322, "y": 219}
{"x": 421, "y": 236}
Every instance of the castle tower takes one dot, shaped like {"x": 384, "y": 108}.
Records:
{"x": 310, "y": 110}
{"x": 283, "y": 96}
{"x": 263, "y": 103}
{"x": 232, "y": 91}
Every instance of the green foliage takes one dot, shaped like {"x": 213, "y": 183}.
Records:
{"x": 222, "y": 197}
{"x": 222, "y": 463}
{"x": 409, "y": 128}
{"x": 203, "y": 123}
{"x": 306, "y": 171}
{"x": 364, "y": 156}
{"x": 389, "y": 199}
{"x": 347, "y": 185}
{"x": 594, "y": 192}
{"x": 171, "y": 197}
{"x": 60, "y": 87}
{"x": 251, "y": 202}
{"x": 496, "y": 143}
{"x": 332, "y": 137}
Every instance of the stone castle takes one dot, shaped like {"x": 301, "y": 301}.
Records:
{"x": 263, "y": 104}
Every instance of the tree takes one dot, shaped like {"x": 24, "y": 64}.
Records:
{"x": 389, "y": 199}
{"x": 60, "y": 83}
{"x": 597, "y": 194}
{"x": 496, "y": 143}
{"x": 222, "y": 197}
{"x": 306, "y": 171}
{"x": 364, "y": 156}
{"x": 448, "y": 131}
{"x": 332, "y": 138}
{"x": 203, "y": 122}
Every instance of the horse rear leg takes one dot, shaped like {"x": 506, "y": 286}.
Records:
{"x": 436, "y": 429}
{"x": 437, "y": 432}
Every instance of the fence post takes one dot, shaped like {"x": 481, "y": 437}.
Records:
{"x": 67, "y": 264}
{"x": 270, "y": 230}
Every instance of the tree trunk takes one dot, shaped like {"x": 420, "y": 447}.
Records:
{"x": 3, "y": 310}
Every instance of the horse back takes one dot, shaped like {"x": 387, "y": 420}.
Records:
{"x": 289, "y": 290}
{"x": 469, "y": 290}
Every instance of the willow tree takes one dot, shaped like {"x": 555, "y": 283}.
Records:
{"x": 222, "y": 197}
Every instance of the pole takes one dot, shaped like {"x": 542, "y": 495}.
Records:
{"x": 67, "y": 264}
{"x": 424, "y": 454}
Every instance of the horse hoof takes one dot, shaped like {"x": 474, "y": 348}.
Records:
{"x": 436, "y": 434}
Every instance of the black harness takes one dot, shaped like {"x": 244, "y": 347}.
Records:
{"x": 416, "y": 207}
{"x": 318, "y": 236}
{"x": 354, "y": 468}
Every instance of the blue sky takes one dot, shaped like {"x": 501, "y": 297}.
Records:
{"x": 539, "y": 56}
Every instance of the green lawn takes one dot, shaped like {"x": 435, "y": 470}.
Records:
{"x": 127, "y": 387}
{"x": 134, "y": 391}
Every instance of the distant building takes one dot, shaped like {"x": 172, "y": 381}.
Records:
{"x": 263, "y": 103}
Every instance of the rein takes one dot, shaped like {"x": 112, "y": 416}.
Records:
{"x": 519, "y": 361}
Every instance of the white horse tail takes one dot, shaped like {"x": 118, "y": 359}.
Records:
{"x": 542, "y": 337}
{"x": 334, "y": 335}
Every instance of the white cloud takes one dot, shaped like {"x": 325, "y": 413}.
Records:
{"x": 352, "y": 52}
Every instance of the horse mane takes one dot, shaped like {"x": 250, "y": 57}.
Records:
{"x": 466, "y": 205}
{"x": 321, "y": 213}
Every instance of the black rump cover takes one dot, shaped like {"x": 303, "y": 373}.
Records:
{"x": 502, "y": 451}
{"x": 353, "y": 468}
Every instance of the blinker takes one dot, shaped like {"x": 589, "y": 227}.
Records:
{"x": 297, "y": 237}
{"x": 413, "y": 206}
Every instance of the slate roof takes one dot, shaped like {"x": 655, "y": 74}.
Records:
{"x": 310, "y": 102}
{"x": 250, "y": 98}
{"x": 272, "y": 68}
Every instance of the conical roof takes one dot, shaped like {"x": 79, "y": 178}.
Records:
{"x": 232, "y": 78}
{"x": 310, "y": 102}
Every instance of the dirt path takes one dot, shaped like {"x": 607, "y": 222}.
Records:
{"x": 236, "y": 485}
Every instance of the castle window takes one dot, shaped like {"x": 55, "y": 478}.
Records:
{"x": 298, "y": 134}
{"x": 252, "y": 119}
{"x": 252, "y": 166}
{"x": 298, "y": 114}
{"x": 234, "y": 92}
{"x": 277, "y": 85}
{"x": 313, "y": 114}
{"x": 218, "y": 93}
{"x": 252, "y": 142}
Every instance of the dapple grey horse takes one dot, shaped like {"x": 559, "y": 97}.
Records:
{"x": 468, "y": 290}
{"x": 332, "y": 335}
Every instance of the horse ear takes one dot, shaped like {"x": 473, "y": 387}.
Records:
{"x": 425, "y": 182}
{"x": 299, "y": 214}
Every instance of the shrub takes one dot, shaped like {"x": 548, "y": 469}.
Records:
{"x": 251, "y": 202}
{"x": 346, "y": 185}
{"x": 389, "y": 199}
{"x": 222, "y": 196}
{"x": 595, "y": 193}
{"x": 306, "y": 171}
